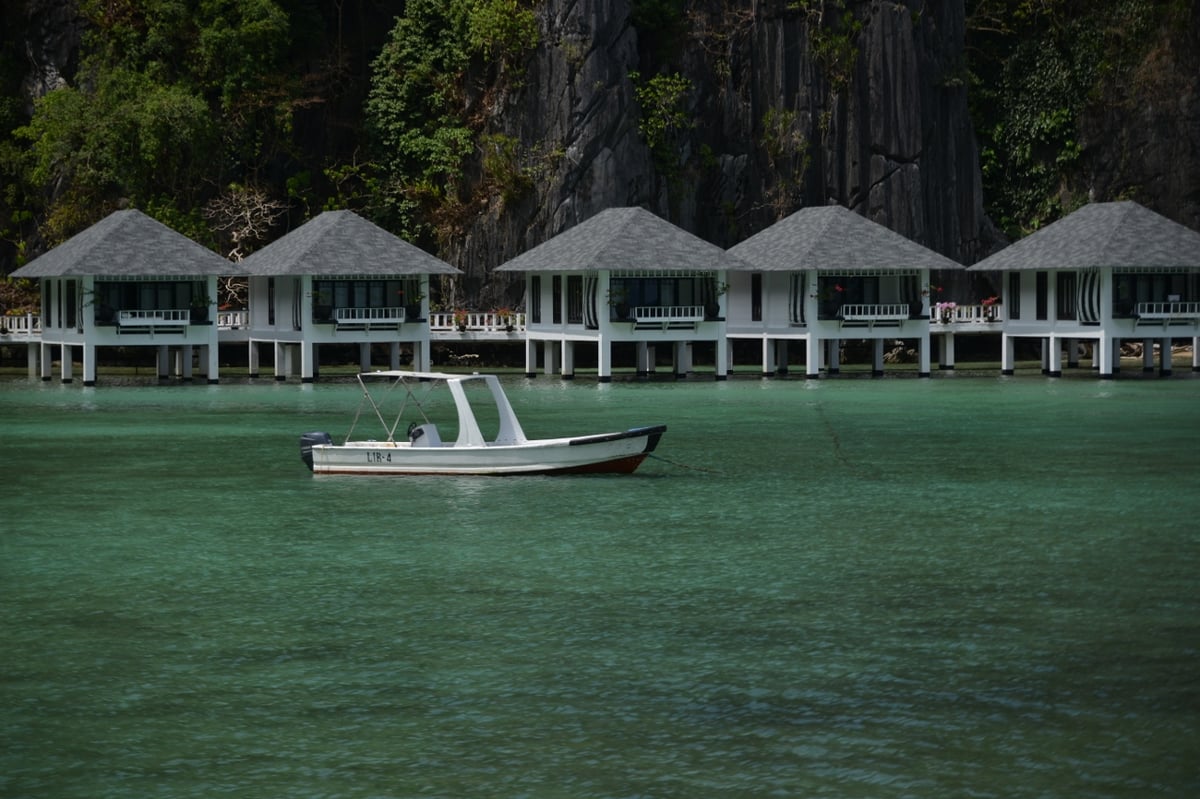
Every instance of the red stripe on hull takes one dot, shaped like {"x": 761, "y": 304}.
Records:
{"x": 626, "y": 465}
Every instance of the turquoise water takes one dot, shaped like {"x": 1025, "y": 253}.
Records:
{"x": 849, "y": 588}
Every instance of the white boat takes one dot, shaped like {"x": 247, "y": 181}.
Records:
{"x": 421, "y": 450}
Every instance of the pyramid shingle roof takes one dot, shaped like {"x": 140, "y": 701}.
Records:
{"x": 126, "y": 243}
{"x": 627, "y": 239}
{"x": 1118, "y": 234}
{"x": 342, "y": 243}
{"x": 835, "y": 239}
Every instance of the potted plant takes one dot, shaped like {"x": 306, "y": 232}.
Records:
{"x": 460, "y": 320}
{"x": 712, "y": 308}
{"x": 504, "y": 319}
{"x": 322, "y": 306}
{"x": 199, "y": 306}
{"x": 618, "y": 301}
{"x": 989, "y": 308}
{"x": 411, "y": 300}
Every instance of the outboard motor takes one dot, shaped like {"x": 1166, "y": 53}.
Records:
{"x": 306, "y": 444}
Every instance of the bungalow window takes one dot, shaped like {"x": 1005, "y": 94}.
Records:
{"x": 69, "y": 304}
{"x": 1065, "y": 294}
{"x": 656, "y": 291}
{"x": 834, "y": 291}
{"x": 1130, "y": 288}
{"x": 574, "y": 299}
{"x": 756, "y": 310}
{"x": 1013, "y": 300}
{"x": 329, "y": 294}
{"x": 110, "y": 296}
{"x": 1042, "y": 301}
{"x": 535, "y": 299}
{"x": 556, "y": 300}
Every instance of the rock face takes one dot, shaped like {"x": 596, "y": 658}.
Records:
{"x": 1143, "y": 142}
{"x": 52, "y": 30}
{"x": 791, "y": 108}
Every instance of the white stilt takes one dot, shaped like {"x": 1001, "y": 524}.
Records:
{"x": 769, "y": 365}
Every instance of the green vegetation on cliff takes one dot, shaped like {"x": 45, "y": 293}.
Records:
{"x": 1037, "y": 66}
{"x": 206, "y": 112}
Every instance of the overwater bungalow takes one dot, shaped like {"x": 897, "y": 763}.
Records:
{"x": 624, "y": 275}
{"x": 1105, "y": 273}
{"x": 128, "y": 281}
{"x": 824, "y": 275}
{"x": 339, "y": 279}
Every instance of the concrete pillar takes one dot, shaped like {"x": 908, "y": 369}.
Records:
{"x": 89, "y": 364}
{"x": 947, "y": 355}
{"x": 1165, "y": 359}
{"x": 604, "y": 360}
{"x": 1196, "y": 353}
{"x": 164, "y": 362}
{"x": 769, "y": 365}
{"x": 1007, "y": 357}
{"x": 308, "y": 361}
{"x": 1045, "y": 344}
{"x": 923, "y": 347}
{"x": 550, "y": 361}
{"x": 282, "y": 358}
{"x": 394, "y": 355}
{"x": 681, "y": 358}
{"x": 252, "y": 358}
{"x": 530, "y": 357}
{"x": 833, "y": 348}
{"x": 812, "y": 356}
{"x": 1147, "y": 355}
{"x": 33, "y": 352}
{"x": 721, "y": 354}
{"x": 364, "y": 357}
{"x": 568, "y": 360}
{"x": 781, "y": 356}
{"x": 65, "y": 365}
{"x": 47, "y": 360}
{"x": 1072, "y": 353}
{"x": 877, "y": 358}
{"x": 644, "y": 366}
{"x": 1054, "y": 352}
{"x": 188, "y": 352}
{"x": 214, "y": 364}
{"x": 1116, "y": 355}
{"x": 1104, "y": 356}
{"x": 422, "y": 356}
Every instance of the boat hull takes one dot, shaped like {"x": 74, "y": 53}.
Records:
{"x": 606, "y": 453}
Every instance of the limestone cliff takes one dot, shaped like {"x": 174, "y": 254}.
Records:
{"x": 782, "y": 119}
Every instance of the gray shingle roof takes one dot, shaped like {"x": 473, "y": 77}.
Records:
{"x": 831, "y": 238}
{"x": 126, "y": 243}
{"x": 342, "y": 243}
{"x": 1120, "y": 234}
{"x": 624, "y": 239}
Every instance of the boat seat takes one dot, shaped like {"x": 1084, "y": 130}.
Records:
{"x": 424, "y": 435}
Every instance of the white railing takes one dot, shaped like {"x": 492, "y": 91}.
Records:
{"x": 476, "y": 322}
{"x": 967, "y": 314}
{"x": 233, "y": 320}
{"x": 23, "y": 326}
{"x": 668, "y": 313}
{"x": 887, "y": 312}
{"x": 369, "y": 317}
{"x": 160, "y": 316}
{"x": 1167, "y": 310}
